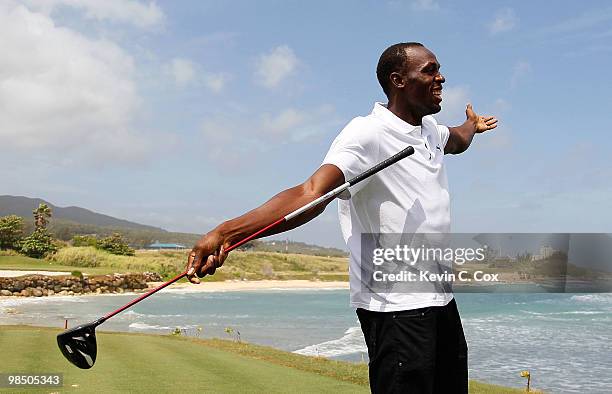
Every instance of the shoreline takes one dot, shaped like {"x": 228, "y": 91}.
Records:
{"x": 225, "y": 286}
{"x": 239, "y": 285}
{"x": 217, "y": 286}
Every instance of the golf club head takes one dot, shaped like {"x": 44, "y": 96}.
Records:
{"x": 79, "y": 346}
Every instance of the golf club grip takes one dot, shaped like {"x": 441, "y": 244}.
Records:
{"x": 382, "y": 165}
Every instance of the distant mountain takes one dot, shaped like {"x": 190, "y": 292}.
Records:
{"x": 287, "y": 246}
{"x": 70, "y": 221}
{"x": 23, "y": 206}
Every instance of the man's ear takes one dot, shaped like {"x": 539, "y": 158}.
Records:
{"x": 397, "y": 80}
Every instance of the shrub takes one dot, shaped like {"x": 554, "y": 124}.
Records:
{"x": 11, "y": 232}
{"x": 115, "y": 244}
{"x": 84, "y": 240}
{"x": 38, "y": 244}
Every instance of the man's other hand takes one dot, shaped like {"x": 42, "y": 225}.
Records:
{"x": 206, "y": 256}
{"x": 481, "y": 123}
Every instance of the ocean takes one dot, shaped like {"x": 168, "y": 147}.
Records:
{"x": 564, "y": 340}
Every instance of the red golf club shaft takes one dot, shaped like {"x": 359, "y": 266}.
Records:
{"x": 180, "y": 276}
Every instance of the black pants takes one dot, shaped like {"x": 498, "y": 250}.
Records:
{"x": 416, "y": 351}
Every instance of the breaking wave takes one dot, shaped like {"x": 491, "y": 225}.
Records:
{"x": 352, "y": 342}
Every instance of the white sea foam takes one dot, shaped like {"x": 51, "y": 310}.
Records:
{"x": 132, "y": 314}
{"x": 565, "y": 313}
{"x": 226, "y": 316}
{"x": 593, "y": 298}
{"x": 298, "y": 289}
{"x": 145, "y": 326}
{"x": 18, "y": 301}
{"x": 351, "y": 342}
{"x": 135, "y": 315}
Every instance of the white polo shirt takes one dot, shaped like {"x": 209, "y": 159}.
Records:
{"x": 410, "y": 196}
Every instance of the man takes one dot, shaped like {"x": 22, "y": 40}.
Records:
{"x": 415, "y": 340}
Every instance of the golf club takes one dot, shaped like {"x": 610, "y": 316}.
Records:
{"x": 79, "y": 345}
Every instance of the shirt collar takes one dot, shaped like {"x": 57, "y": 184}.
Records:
{"x": 380, "y": 111}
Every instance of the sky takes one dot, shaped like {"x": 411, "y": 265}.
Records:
{"x": 185, "y": 114}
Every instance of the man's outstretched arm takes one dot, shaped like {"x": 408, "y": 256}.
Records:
{"x": 209, "y": 250}
{"x": 461, "y": 137}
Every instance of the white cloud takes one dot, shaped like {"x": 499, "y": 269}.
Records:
{"x": 182, "y": 70}
{"x": 290, "y": 124}
{"x": 185, "y": 72}
{"x": 248, "y": 135}
{"x": 505, "y": 20}
{"x": 274, "y": 67}
{"x": 414, "y": 5}
{"x": 520, "y": 70}
{"x": 501, "y": 105}
{"x": 586, "y": 21}
{"x": 282, "y": 122}
{"x": 298, "y": 125}
{"x": 63, "y": 93}
{"x": 139, "y": 14}
{"x": 425, "y": 5}
{"x": 496, "y": 139}
{"x": 455, "y": 100}
{"x": 216, "y": 81}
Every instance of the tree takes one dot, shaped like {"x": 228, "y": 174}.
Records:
{"x": 115, "y": 244}
{"x": 11, "y": 231}
{"x": 38, "y": 244}
{"x": 42, "y": 214}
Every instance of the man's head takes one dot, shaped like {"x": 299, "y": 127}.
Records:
{"x": 410, "y": 76}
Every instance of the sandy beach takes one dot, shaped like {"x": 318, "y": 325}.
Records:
{"x": 237, "y": 285}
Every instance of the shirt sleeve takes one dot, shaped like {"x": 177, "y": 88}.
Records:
{"x": 354, "y": 150}
{"x": 443, "y": 131}
{"x": 444, "y": 134}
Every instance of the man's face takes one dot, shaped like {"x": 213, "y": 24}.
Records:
{"x": 422, "y": 81}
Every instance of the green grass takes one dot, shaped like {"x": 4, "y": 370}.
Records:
{"x": 153, "y": 364}
{"x": 138, "y": 363}
{"x": 239, "y": 265}
{"x": 23, "y": 263}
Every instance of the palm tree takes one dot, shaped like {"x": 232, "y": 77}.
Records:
{"x": 41, "y": 216}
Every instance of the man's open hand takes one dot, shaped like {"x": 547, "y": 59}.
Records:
{"x": 481, "y": 123}
{"x": 206, "y": 256}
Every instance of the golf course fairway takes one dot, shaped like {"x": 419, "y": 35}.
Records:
{"x": 138, "y": 363}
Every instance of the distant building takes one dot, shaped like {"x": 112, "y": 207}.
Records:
{"x": 545, "y": 252}
{"x": 162, "y": 246}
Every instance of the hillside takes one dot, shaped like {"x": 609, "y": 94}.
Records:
{"x": 23, "y": 206}
{"x": 70, "y": 221}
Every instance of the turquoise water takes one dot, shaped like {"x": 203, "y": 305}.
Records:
{"x": 565, "y": 340}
